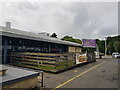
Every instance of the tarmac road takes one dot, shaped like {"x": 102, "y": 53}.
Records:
{"x": 100, "y": 74}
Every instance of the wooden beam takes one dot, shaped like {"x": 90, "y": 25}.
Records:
{"x": 34, "y": 60}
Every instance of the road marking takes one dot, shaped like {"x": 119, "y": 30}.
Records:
{"x": 77, "y": 76}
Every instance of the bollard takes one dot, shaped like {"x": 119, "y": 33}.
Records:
{"x": 42, "y": 85}
{"x": 42, "y": 80}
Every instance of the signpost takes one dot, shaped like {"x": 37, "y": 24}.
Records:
{"x": 89, "y": 43}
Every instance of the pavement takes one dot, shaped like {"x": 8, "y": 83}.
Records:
{"x": 15, "y": 74}
{"x": 100, "y": 74}
{"x": 105, "y": 57}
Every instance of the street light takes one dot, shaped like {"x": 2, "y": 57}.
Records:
{"x": 97, "y": 49}
{"x": 105, "y": 46}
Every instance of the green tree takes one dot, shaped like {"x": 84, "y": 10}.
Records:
{"x": 101, "y": 45}
{"x": 71, "y": 39}
{"x": 110, "y": 48}
{"x": 54, "y": 35}
{"x": 112, "y": 43}
{"x": 88, "y": 49}
{"x": 66, "y": 37}
{"x": 117, "y": 46}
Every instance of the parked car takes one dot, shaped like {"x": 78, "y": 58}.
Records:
{"x": 116, "y": 55}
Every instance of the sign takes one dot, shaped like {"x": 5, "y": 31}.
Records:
{"x": 89, "y": 43}
{"x": 80, "y": 58}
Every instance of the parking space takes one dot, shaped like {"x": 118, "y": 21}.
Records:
{"x": 100, "y": 74}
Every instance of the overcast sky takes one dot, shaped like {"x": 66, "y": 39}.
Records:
{"x": 78, "y": 19}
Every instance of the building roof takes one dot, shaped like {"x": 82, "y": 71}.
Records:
{"x": 11, "y": 32}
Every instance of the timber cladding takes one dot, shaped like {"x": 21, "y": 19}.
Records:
{"x": 78, "y": 50}
{"x": 74, "y": 49}
{"x": 71, "y": 49}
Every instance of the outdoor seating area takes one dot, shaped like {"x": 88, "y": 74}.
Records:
{"x": 43, "y": 61}
{"x": 48, "y": 62}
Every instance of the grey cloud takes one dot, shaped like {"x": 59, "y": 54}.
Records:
{"x": 89, "y": 20}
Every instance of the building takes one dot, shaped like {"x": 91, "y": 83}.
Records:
{"x": 14, "y": 40}
{"x": 45, "y": 33}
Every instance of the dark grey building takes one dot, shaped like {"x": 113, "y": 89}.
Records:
{"x": 14, "y": 40}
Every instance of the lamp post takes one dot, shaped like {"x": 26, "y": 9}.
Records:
{"x": 105, "y": 46}
{"x": 97, "y": 49}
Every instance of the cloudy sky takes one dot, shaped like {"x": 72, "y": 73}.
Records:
{"x": 78, "y": 19}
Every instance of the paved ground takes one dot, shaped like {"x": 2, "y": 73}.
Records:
{"x": 100, "y": 74}
{"x": 15, "y": 74}
{"x": 105, "y": 57}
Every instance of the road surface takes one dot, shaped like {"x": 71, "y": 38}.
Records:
{"x": 100, "y": 74}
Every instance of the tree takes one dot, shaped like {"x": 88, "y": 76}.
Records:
{"x": 117, "y": 46}
{"x": 101, "y": 45}
{"x": 110, "y": 48}
{"x": 54, "y": 35}
{"x": 71, "y": 39}
{"x": 78, "y": 41}
{"x": 88, "y": 49}
{"x": 112, "y": 44}
{"x": 66, "y": 37}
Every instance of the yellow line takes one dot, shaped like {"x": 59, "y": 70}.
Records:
{"x": 77, "y": 76}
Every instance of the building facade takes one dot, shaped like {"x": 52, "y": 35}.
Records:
{"x": 14, "y": 40}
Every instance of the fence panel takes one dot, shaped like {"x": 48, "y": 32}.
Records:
{"x": 49, "y": 62}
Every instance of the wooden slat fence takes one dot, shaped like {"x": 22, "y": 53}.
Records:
{"x": 44, "y": 61}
